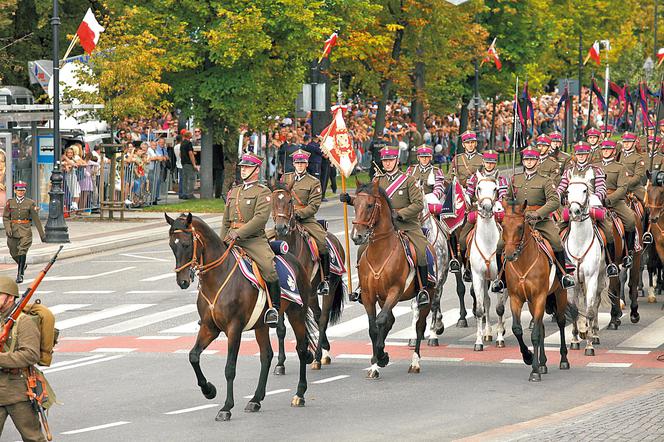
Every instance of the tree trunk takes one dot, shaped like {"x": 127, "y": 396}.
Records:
{"x": 387, "y": 85}
{"x": 207, "y": 186}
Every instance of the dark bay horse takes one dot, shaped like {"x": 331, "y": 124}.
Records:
{"x": 329, "y": 311}
{"x": 226, "y": 300}
{"x": 655, "y": 204}
{"x": 384, "y": 273}
{"x": 528, "y": 273}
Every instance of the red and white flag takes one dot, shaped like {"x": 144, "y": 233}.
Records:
{"x": 336, "y": 143}
{"x": 88, "y": 32}
{"x": 593, "y": 53}
{"x": 492, "y": 55}
{"x": 660, "y": 56}
{"x": 329, "y": 44}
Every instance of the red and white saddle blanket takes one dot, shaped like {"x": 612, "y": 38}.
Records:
{"x": 336, "y": 262}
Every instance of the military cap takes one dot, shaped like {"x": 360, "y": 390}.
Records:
{"x": 424, "y": 151}
{"x": 582, "y": 147}
{"x": 530, "y": 154}
{"x": 300, "y": 156}
{"x": 468, "y": 135}
{"x": 249, "y": 159}
{"x": 389, "y": 153}
{"x": 490, "y": 156}
{"x": 8, "y": 286}
{"x": 20, "y": 185}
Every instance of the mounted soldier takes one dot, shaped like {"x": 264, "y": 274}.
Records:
{"x": 593, "y": 175}
{"x": 430, "y": 177}
{"x": 19, "y": 216}
{"x": 247, "y": 211}
{"x": 549, "y": 165}
{"x": 540, "y": 194}
{"x": 593, "y": 139}
{"x": 407, "y": 204}
{"x": 306, "y": 190}
{"x": 556, "y": 152}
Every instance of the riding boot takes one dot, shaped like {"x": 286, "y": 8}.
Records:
{"x": 455, "y": 265}
{"x": 498, "y": 285}
{"x": 355, "y": 295}
{"x": 611, "y": 268}
{"x": 422, "y": 295}
{"x": 467, "y": 277}
{"x": 324, "y": 286}
{"x": 630, "y": 238}
{"x": 565, "y": 279}
{"x": 647, "y": 238}
{"x": 19, "y": 270}
{"x": 272, "y": 314}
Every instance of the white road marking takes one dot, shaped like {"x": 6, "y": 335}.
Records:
{"x": 82, "y": 364}
{"x": 359, "y": 323}
{"x": 157, "y": 338}
{"x": 629, "y": 352}
{"x": 650, "y": 337}
{"x": 204, "y": 352}
{"x": 512, "y": 361}
{"x": 189, "y": 410}
{"x": 440, "y": 359}
{"x": 43, "y": 292}
{"x": 103, "y": 314}
{"x": 150, "y": 292}
{"x": 352, "y": 356}
{"x": 409, "y": 332}
{"x": 74, "y": 361}
{"x": 149, "y": 258}
{"x": 86, "y": 277}
{"x": 89, "y": 292}
{"x": 79, "y": 338}
{"x": 158, "y": 277}
{"x": 554, "y": 338}
{"x": 184, "y": 329}
{"x": 61, "y": 308}
{"x": 332, "y": 379}
{"x": 609, "y": 364}
{"x": 97, "y": 427}
{"x": 143, "y": 321}
{"x": 113, "y": 350}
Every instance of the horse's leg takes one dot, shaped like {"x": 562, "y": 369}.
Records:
{"x": 616, "y": 312}
{"x": 479, "y": 310}
{"x": 205, "y": 336}
{"x": 561, "y": 307}
{"x": 280, "y": 368}
{"x": 634, "y": 280}
{"x": 384, "y": 322}
{"x": 415, "y": 316}
{"x": 419, "y": 329}
{"x": 516, "y": 304}
{"x": 323, "y": 349}
{"x": 318, "y": 317}
{"x": 437, "y": 325}
{"x": 370, "y": 308}
{"x": 500, "y": 311}
{"x": 461, "y": 293}
{"x": 537, "y": 336}
{"x": 488, "y": 337}
{"x": 234, "y": 334}
{"x": 263, "y": 340}
{"x": 297, "y": 316}
{"x": 592, "y": 307}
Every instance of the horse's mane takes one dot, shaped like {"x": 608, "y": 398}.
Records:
{"x": 201, "y": 226}
{"x": 368, "y": 188}
{"x": 280, "y": 186}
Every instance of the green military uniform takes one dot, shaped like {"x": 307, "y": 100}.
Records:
{"x": 595, "y": 154}
{"x": 551, "y": 168}
{"x": 247, "y": 211}
{"x": 465, "y": 164}
{"x": 635, "y": 165}
{"x": 415, "y": 140}
{"x": 540, "y": 192}
{"x": 422, "y": 175}
{"x": 18, "y": 218}
{"x": 616, "y": 189}
{"x": 658, "y": 161}
{"x": 21, "y": 351}
{"x": 307, "y": 194}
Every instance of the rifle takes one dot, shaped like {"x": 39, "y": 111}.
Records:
{"x": 13, "y": 316}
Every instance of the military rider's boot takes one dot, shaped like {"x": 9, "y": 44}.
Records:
{"x": 324, "y": 286}
{"x": 566, "y": 280}
{"x": 467, "y": 276}
{"x": 355, "y": 295}
{"x": 455, "y": 265}
{"x": 20, "y": 270}
{"x": 611, "y": 268}
{"x": 647, "y": 238}
{"x": 422, "y": 295}
{"x": 630, "y": 238}
{"x": 272, "y": 314}
{"x": 498, "y": 284}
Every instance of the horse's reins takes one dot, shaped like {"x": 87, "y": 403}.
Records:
{"x": 201, "y": 268}
{"x": 584, "y": 216}
{"x": 522, "y": 243}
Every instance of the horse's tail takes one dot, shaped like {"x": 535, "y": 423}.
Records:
{"x": 337, "y": 300}
{"x": 571, "y": 312}
{"x": 607, "y": 298}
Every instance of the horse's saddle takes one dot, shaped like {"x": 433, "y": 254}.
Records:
{"x": 411, "y": 256}
{"x": 336, "y": 262}
{"x": 544, "y": 246}
{"x": 636, "y": 205}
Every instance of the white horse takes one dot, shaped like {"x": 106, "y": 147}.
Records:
{"x": 482, "y": 257}
{"x": 437, "y": 237}
{"x": 586, "y": 252}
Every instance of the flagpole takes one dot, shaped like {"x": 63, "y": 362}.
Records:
{"x": 607, "y": 46}
{"x": 343, "y": 189}
{"x": 590, "y": 98}
{"x": 516, "y": 109}
{"x": 567, "y": 108}
{"x": 69, "y": 49}
{"x": 651, "y": 151}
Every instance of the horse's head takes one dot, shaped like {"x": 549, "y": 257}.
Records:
{"x": 486, "y": 194}
{"x": 514, "y": 228}
{"x": 368, "y": 203}
{"x": 654, "y": 200}
{"x": 182, "y": 240}
{"x": 578, "y": 195}
{"x": 282, "y": 208}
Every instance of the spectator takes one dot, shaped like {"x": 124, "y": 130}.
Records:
{"x": 218, "y": 171}
{"x": 189, "y": 166}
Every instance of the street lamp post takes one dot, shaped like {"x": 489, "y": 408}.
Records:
{"x": 477, "y": 98}
{"x": 56, "y": 229}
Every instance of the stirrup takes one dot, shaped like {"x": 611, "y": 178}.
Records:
{"x": 271, "y": 317}
{"x": 422, "y": 298}
{"x": 627, "y": 262}
{"x": 647, "y": 238}
{"x": 324, "y": 288}
{"x": 355, "y": 295}
{"x": 497, "y": 286}
{"x": 467, "y": 277}
{"x": 567, "y": 282}
{"x": 455, "y": 265}
{"x": 612, "y": 270}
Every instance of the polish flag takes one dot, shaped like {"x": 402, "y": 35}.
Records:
{"x": 329, "y": 44}
{"x": 88, "y": 32}
{"x": 594, "y": 53}
{"x": 660, "y": 56}
{"x": 492, "y": 55}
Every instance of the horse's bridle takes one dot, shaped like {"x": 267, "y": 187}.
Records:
{"x": 480, "y": 212}
{"x": 291, "y": 209}
{"x": 193, "y": 263}
{"x": 523, "y": 241}
{"x": 370, "y": 224}
{"x": 585, "y": 213}
{"x": 650, "y": 207}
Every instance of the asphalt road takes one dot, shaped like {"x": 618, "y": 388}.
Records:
{"x": 121, "y": 371}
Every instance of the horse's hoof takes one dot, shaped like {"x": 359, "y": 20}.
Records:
{"x": 432, "y": 342}
{"x": 414, "y": 369}
{"x": 589, "y": 352}
{"x": 500, "y": 344}
{"x": 279, "y": 370}
{"x": 297, "y": 401}
{"x": 315, "y": 365}
{"x": 252, "y": 407}
{"x": 634, "y": 317}
{"x": 528, "y": 358}
{"x": 542, "y": 369}
{"x": 382, "y": 362}
{"x": 613, "y": 325}
{"x": 618, "y": 321}
{"x": 564, "y": 365}
{"x": 209, "y": 391}
{"x": 373, "y": 374}
{"x": 223, "y": 416}
{"x": 478, "y": 347}
{"x": 439, "y": 331}
{"x": 582, "y": 335}
{"x": 412, "y": 342}
{"x": 535, "y": 377}
{"x": 488, "y": 338}
{"x": 462, "y": 323}
{"x": 652, "y": 299}
{"x": 326, "y": 360}
{"x": 596, "y": 340}
{"x": 575, "y": 346}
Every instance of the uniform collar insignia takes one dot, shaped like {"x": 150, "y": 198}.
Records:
{"x": 628, "y": 152}
{"x": 19, "y": 200}
{"x": 529, "y": 175}
{"x": 248, "y": 184}
{"x": 424, "y": 168}
{"x": 471, "y": 154}
{"x": 393, "y": 176}
{"x": 298, "y": 177}
{"x": 607, "y": 162}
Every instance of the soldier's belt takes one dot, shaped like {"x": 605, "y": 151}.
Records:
{"x": 20, "y": 221}
{"x": 533, "y": 207}
{"x": 236, "y": 225}
{"x": 14, "y": 371}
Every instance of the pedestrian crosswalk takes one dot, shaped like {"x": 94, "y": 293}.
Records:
{"x": 154, "y": 321}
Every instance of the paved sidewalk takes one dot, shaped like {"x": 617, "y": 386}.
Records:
{"x": 90, "y": 235}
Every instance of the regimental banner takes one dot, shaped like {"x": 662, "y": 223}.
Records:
{"x": 454, "y": 207}
{"x": 337, "y": 145}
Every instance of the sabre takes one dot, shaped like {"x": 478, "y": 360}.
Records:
{"x": 651, "y": 151}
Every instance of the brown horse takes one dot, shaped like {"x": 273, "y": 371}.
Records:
{"x": 655, "y": 204}
{"x": 226, "y": 300}
{"x": 527, "y": 273}
{"x": 384, "y": 273}
{"x": 289, "y": 230}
